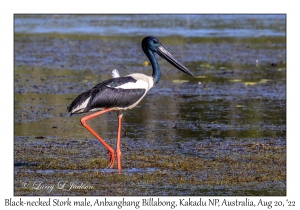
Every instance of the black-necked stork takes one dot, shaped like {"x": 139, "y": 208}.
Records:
{"x": 122, "y": 93}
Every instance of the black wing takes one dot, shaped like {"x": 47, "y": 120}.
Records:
{"x": 109, "y": 97}
{"x": 78, "y": 101}
{"x": 106, "y": 95}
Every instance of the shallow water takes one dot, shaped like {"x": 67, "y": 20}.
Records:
{"x": 237, "y": 99}
{"x": 164, "y": 25}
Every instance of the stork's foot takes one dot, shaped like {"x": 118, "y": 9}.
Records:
{"x": 111, "y": 159}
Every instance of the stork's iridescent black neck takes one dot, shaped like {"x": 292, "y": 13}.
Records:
{"x": 150, "y": 45}
{"x": 156, "y": 70}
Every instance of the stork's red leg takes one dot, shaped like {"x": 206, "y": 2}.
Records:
{"x": 83, "y": 120}
{"x": 118, "y": 148}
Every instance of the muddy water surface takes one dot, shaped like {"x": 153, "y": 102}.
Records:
{"x": 220, "y": 133}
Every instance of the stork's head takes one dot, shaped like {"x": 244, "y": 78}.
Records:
{"x": 151, "y": 43}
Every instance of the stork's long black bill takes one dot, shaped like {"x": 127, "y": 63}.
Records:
{"x": 164, "y": 53}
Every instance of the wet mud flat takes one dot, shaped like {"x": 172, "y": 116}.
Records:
{"x": 226, "y": 168}
{"x": 221, "y": 133}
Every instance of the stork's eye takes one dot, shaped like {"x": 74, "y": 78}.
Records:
{"x": 155, "y": 41}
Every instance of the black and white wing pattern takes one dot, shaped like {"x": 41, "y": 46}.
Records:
{"x": 116, "y": 93}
